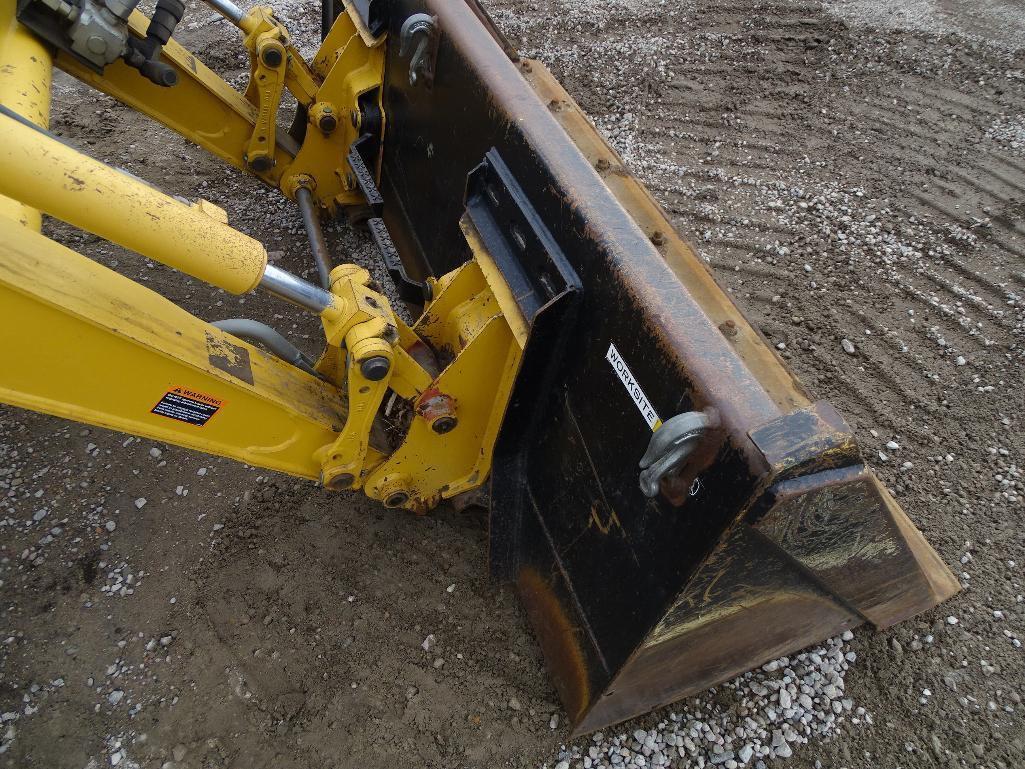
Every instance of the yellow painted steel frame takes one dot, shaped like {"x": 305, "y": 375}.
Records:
{"x": 347, "y": 69}
{"x": 26, "y": 69}
{"x": 204, "y": 109}
{"x": 88, "y": 344}
{"x": 83, "y": 342}
{"x": 465, "y": 320}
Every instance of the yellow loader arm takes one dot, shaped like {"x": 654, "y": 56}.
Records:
{"x": 672, "y": 506}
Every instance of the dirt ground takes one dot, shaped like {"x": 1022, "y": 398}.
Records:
{"x": 854, "y": 173}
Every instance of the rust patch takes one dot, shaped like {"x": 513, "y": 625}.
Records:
{"x": 806, "y": 441}
{"x": 434, "y": 404}
{"x": 229, "y": 358}
{"x": 557, "y": 636}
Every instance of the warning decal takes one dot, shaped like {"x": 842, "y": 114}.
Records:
{"x": 185, "y": 405}
{"x": 636, "y": 393}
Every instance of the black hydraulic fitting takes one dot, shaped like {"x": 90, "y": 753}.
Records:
{"x": 144, "y": 54}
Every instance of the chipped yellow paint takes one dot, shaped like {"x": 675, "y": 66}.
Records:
{"x": 54, "y": 178}
{"x": 349, "y": 69}
{"x": 503, "y": 294}
{"x": 202, "y": 107}
{"x": 85, "y": 343}
{"x": 465, "y": 321}
{"x": 364, "y": 31}
{"x": 26, "y": 69}
{"x": 148, "y": 337}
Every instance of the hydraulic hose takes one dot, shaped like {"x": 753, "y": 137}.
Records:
{"x": 262, "y": 334}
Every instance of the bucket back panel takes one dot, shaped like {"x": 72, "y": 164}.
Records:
{"x": 601, "y": 568}
{"x": 583, "y": 472}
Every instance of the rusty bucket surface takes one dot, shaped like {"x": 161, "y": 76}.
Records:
{"x": 771, "y": 536}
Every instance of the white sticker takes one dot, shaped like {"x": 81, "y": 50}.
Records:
{"x": 636, "y": 393}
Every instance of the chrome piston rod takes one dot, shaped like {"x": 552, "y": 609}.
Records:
{"x": 228, "y": 10}
{"x": 293, "y": 289}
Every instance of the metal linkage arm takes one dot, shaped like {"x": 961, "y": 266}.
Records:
{"x": 202, "y": 107}
{"x": 338, "y": 96}
{"x": 370, "y": 352}
{"x": 363, "y": 323}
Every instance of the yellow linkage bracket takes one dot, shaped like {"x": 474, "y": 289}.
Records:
{"x": 274, "y": 65}
{"x": 265, "y": 40}
{"x": 361, "y": 321}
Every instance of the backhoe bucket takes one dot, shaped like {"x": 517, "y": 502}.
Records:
{"x": 764, "y": 533}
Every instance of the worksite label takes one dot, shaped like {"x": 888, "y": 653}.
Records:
{"x": 189, "y": 406}
{"x": 636, "y": 393}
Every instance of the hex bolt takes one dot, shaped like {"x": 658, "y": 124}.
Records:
{"x": 272, "y": 57}
{"x": 375, "y": 369}
{"x": 341, "y": 482}
{"x": 396, "y": 499}
{"x": 443, "y": 425}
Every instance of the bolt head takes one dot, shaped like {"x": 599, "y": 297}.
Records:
{"x": 396, "y": 499}
{"x": 443, "y": 425}
{"x": 375, "y": 369}
{"x": 341, "y": 482}
{"x": 168, "y": 78}
{"x": 96, "y": 44}
{"x": 272, "y": 57}
{"x": 328, "y": 123}
{"x": 261, "y": 164}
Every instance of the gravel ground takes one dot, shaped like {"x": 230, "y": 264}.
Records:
{"x": 854, "y": 173}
